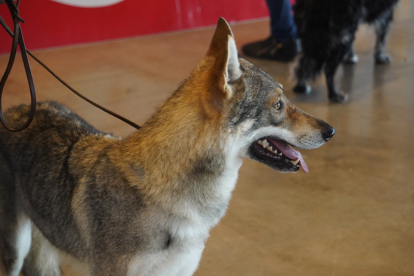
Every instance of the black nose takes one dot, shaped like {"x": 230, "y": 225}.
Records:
{"x": 328, "y": 132}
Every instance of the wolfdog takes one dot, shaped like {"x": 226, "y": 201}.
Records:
{"x": 327, "y": 31}
{"x": 144, "y": 205}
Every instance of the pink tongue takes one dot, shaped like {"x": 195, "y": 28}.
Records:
{"x": 290, "y": 153}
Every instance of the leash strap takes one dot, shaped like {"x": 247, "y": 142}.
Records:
{"x": 18, "y": 40}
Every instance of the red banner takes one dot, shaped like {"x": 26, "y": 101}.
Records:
{"x": 52, "y": 23}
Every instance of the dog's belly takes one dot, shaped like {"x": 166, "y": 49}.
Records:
{"x": 171, "y": 262}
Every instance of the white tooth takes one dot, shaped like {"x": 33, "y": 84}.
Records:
{"x": 270, "y": 148}
{"x": 294, "y": 162}
{"x": 265, "y": 143}
{"x": 280, "y": 154}
{"x": 275, "y": 151}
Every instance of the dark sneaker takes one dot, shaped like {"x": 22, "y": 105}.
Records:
{"x": 272, "y": 49}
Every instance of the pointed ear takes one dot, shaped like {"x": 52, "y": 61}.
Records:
{"x": 223, "y": 50}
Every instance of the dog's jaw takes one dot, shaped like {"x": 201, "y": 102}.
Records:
{"x": 273, "y": 146}
{"x": 281, "y": 152}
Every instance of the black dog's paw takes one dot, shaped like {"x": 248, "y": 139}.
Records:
{"x": 350, "y": 59}
{"x": 338, "y": 98}
{"x": 302, "y": 89}
{"x": 382, "y": 58}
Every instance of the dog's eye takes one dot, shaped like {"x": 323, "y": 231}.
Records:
{"x": 278, "y": 105}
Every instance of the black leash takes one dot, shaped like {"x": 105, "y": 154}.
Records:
{"x": 18, "y": 40}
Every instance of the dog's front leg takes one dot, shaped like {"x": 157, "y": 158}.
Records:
{"x": 190, "y": 262}
{"x": 331, "y": 66}
{"x": 308, "y": 68}
{"x": 382, "y": 25}
{"x": 350, "y": 57}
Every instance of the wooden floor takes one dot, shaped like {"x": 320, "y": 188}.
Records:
{"x": 353, "y": 214}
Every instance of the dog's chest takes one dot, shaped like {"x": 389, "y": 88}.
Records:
{"x": 180, "y": 258}
{"x": 170, "y": 262}
{"x": 189, "y": 231}
{"x": 208, "y": 206}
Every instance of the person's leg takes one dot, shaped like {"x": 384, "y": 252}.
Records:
{"x": 282, "y": 26}
{"x": 281, "y": 45}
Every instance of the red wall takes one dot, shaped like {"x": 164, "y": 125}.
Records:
{"x": 50, "y": 24}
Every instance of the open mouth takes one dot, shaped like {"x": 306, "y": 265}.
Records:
{"x": 278, "y": 154}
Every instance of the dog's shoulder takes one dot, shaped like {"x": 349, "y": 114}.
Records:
{"x": 54, "y": 115}
{"x": 55, "y": 129}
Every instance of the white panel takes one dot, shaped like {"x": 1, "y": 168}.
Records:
{"x": 88, "y": 3}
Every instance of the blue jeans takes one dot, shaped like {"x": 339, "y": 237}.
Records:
{"x": 282, "y": 26}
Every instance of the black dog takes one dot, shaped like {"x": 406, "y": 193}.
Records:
{"x": 327, "y": 30}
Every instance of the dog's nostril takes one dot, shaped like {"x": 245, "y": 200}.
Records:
{"x": 328, "y": 133}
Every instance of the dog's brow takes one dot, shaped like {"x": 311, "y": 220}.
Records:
{"x": 279, "y": 91}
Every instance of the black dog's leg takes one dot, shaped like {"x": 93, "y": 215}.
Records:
{"x": 307, "y": 69}
{"x": 382, "y": 25}
{"x": 350, "y": 57}
{"x": 332, "y": 64}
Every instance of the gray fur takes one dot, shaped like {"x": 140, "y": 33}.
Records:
{"x": 142, "y": 205}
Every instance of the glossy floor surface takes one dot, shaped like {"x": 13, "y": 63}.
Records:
{"x": 353, "y": 214}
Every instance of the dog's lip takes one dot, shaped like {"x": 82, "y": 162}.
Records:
{"x": 283, "y": 160}
{"x": 287, "y": 151}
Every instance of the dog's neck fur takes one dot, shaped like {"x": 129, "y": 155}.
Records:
{"x": 185, "y": 155}
{"x": 185, "y": 158}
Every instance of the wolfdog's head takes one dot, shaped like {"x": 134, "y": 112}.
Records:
{"x": 251, "y": 104}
